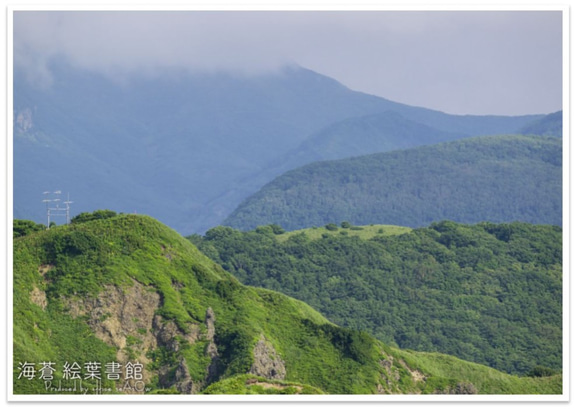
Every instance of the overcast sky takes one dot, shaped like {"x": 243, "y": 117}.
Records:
{"x": 480, "y": 62}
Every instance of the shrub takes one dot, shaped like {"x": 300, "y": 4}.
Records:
{"x": 540, "y": 371}
{"x": 277, "y": 229}
{"x": 96, "y": 215}
{"x": 23, "y": 227}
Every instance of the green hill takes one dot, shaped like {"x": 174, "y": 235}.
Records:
{"x": 487, "y": 293}
{"x": 128, "y": 290}
{"x": 497, "y": 179}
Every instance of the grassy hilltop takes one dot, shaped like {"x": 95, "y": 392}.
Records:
{"x": 128, "y": 289}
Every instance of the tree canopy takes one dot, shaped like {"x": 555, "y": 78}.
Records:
{"x": 488, "y": 293}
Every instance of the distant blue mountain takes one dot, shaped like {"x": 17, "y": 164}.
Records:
{"x": 549, "y": 125}
{"x": 363, "y": 135}
{"x": 188, "y": 148}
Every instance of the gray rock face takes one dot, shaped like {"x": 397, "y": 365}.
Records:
{"x": 126, "y": 319}
{"x": 211, "y": 350}
{"x": 462, "y": 388}
{"x": 210, "y": 324}
{"x": 266, "y": 361}
{"x": 184, "y": 382}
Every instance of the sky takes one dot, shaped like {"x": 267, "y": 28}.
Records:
{"x": 461, "y": 62}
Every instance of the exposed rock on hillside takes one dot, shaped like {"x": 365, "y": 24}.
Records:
{"x": 38, "y": 297}
{"x": 266, "y": 361}
{"x": 126, "y": 319}
{"x": 211, "y": 350}
{"x": 462, "y": 388}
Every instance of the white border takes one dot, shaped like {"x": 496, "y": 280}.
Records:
{"x": 315, "y": 6}
{"x": 566, "y": 203}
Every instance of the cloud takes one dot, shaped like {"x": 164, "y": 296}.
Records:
{"x": 129, "y": 41}
{"x": 454, "y": 61}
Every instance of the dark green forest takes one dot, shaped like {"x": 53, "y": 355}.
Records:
{"x": 496, "y": 179}
{"x": 487, "y": 293}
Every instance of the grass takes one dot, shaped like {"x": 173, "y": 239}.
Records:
{"x": 364, "y": 232}
{"x": 446, "y": 369}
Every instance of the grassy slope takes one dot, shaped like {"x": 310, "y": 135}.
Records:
{"x": 485, "y": 379}
{"x": 364, "y": 232}
{"x": 78, "y": 260}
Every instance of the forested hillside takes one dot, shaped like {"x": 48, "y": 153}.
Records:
{"x": 487, "y": 293}
{"x": 497, "y": 179}
{"x": 126, "y": 290}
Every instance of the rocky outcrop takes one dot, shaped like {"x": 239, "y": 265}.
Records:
{"x": 210, "y": 324}
{"x": 43, "y": 269}
{"x": 184, "y": 383}
{"x": 415, "y": 374}
{"x": 462, "y": 388}
{"x": 266, "y": 361}
{"x": 126, "y": 319}
{"x": 122, "y": 317}
{"x": 390, "y": 375}
{"x": 168, "y": 334}
{"x": 38, "y": 297}
{"x": 211, "y": 350}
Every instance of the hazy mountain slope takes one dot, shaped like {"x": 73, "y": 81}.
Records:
{"x": 129, "y": 289}
{"x": 487, "y": 293}
{"x": 158, "y": 139}
{"x": 185, "y": 148}
{"x": 401, "y": 127}
{"x": 351, "y": 137}
{"x": 549, "y": 125}
{"x": 476, "y": 125}
{"x": 501, "y": 178}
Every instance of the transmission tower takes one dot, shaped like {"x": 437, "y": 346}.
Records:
{"x": 67, "y": 208}
{"x": 53, "y": 206}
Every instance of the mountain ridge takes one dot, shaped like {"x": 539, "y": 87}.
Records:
{"x": 148, "y": 144}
